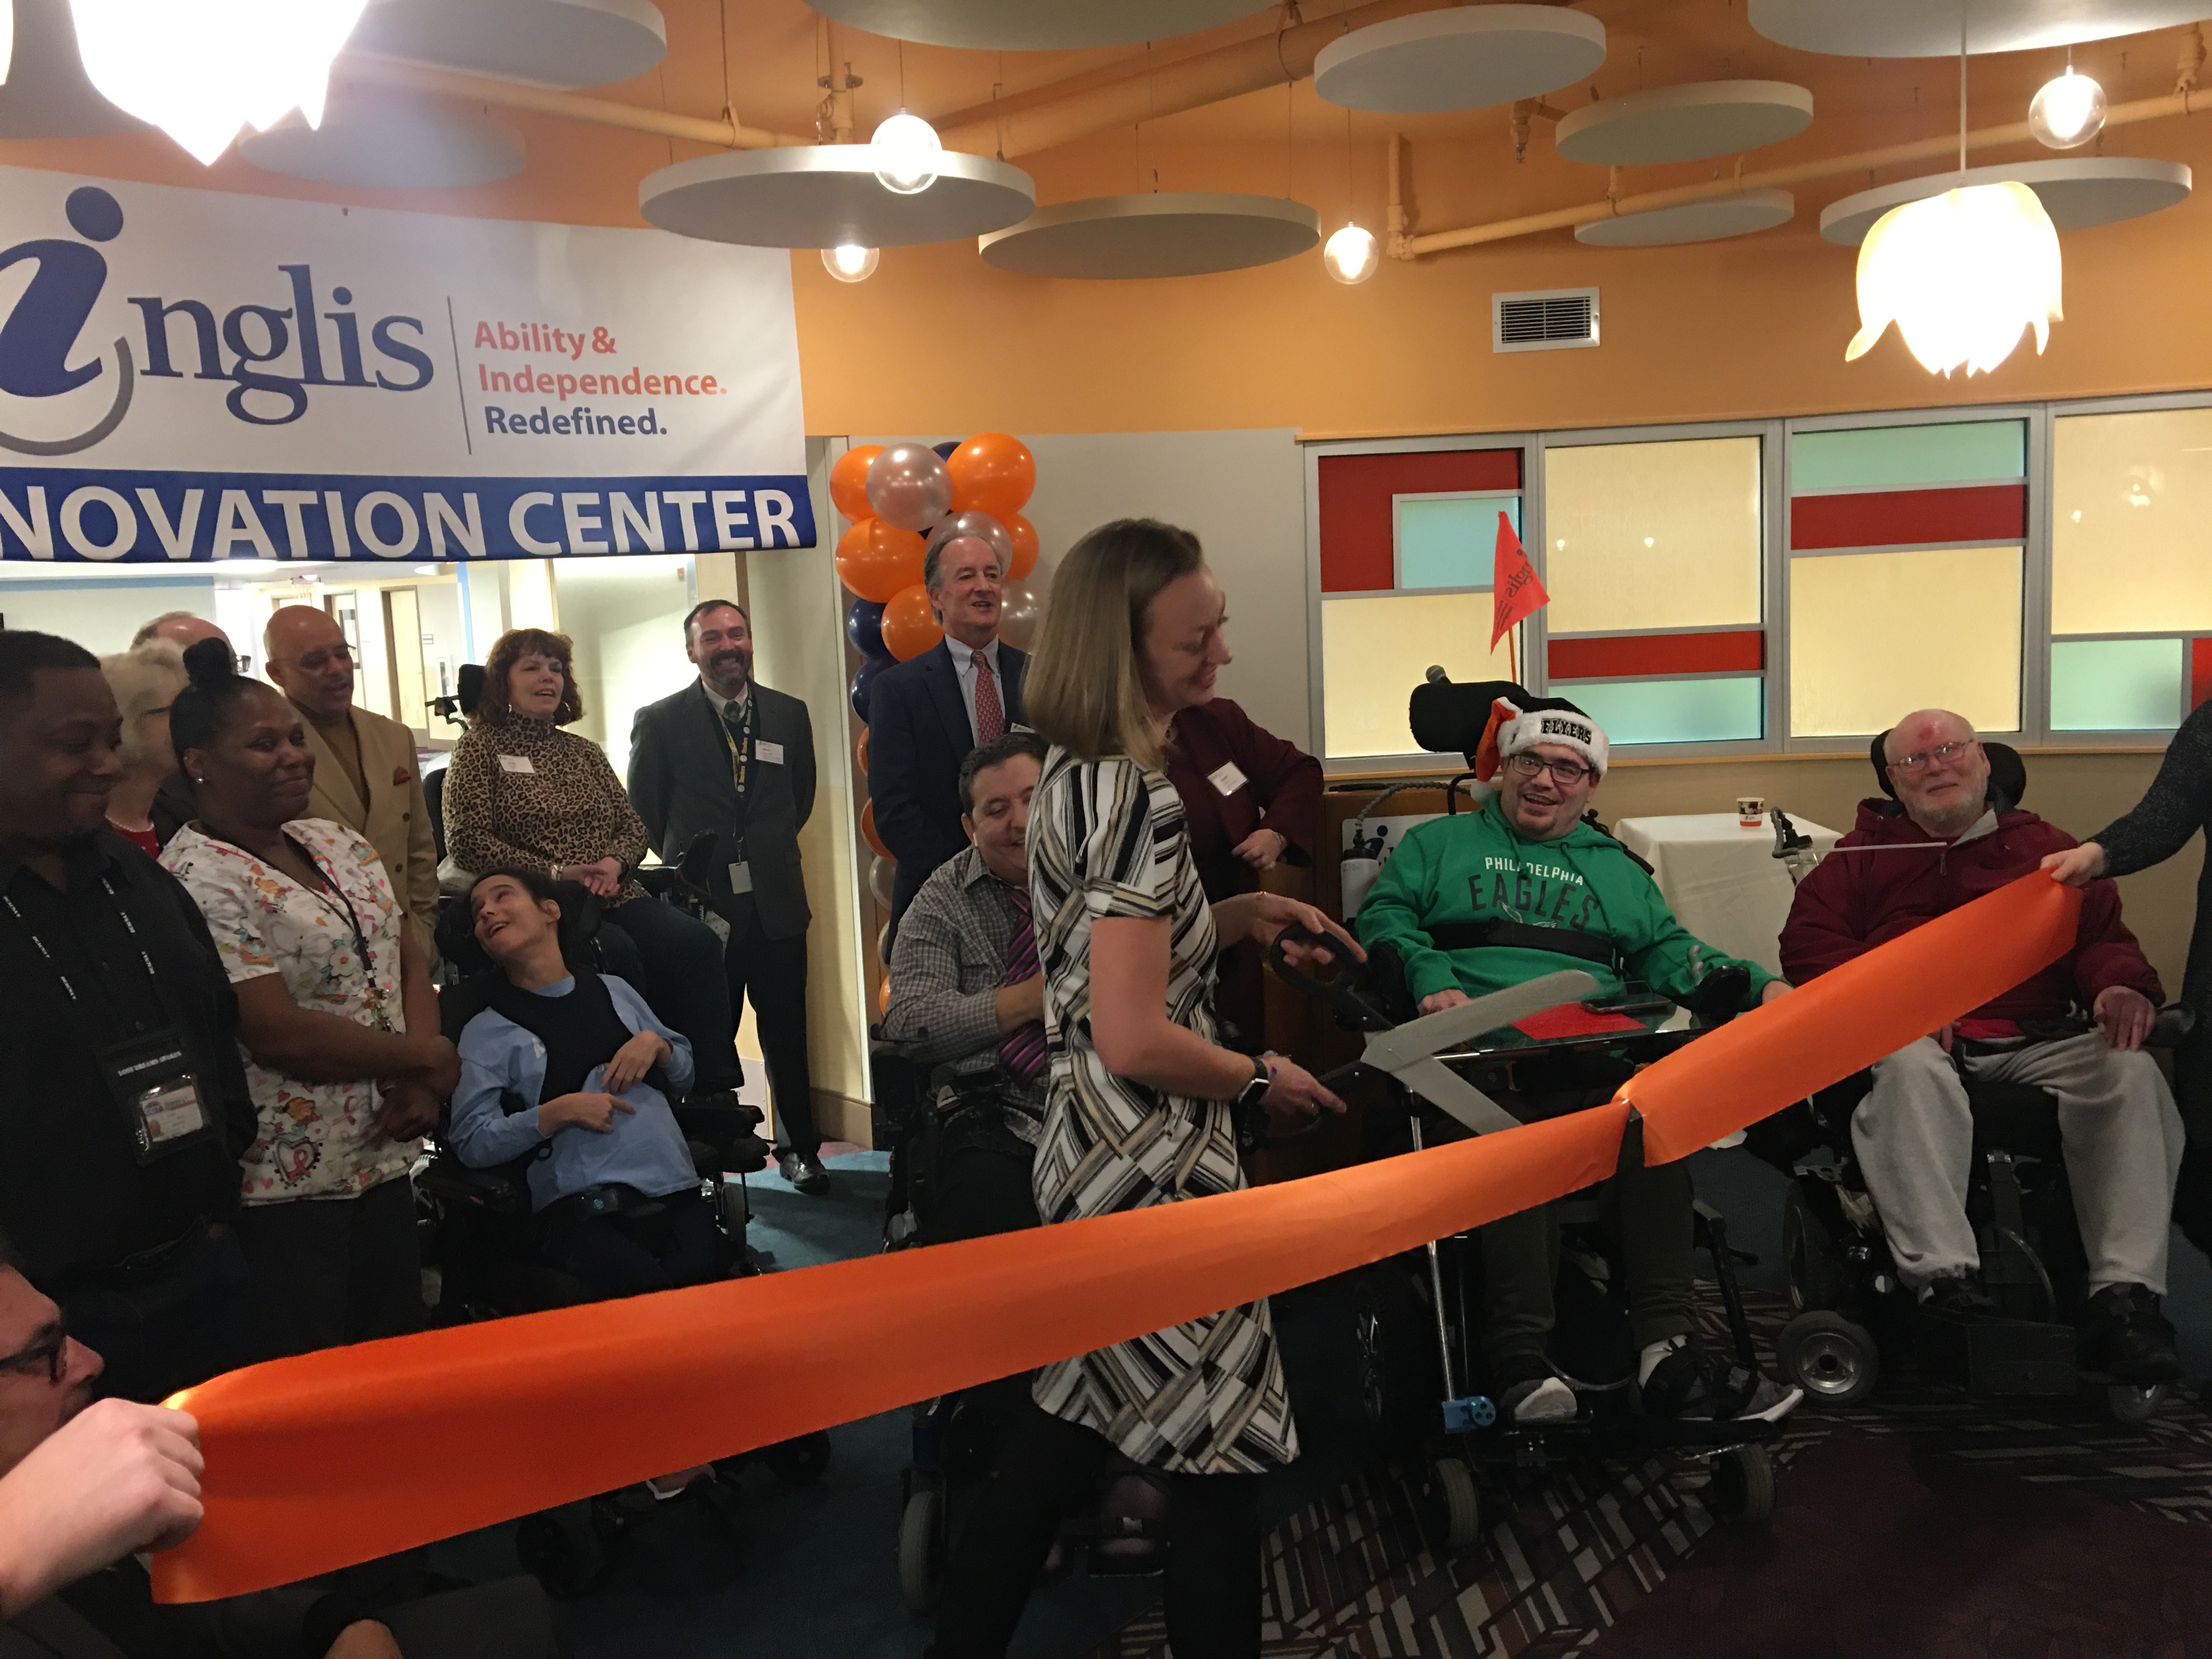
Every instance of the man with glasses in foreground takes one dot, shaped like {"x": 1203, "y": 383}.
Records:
{"x": 1946, "y": 838}
{"x": 1476, "y": 902}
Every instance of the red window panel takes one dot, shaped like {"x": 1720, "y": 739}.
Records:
{"x": 1639, "y": 656}
{"x": 1910, "y": 518}
{"x": 1356, "y": 520}
{"x": 2200, "y": 670}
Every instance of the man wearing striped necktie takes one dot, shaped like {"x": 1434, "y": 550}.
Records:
{"x": 967, "y": 1001}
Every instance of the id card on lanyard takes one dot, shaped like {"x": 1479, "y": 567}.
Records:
{"x": 740, "y": 747}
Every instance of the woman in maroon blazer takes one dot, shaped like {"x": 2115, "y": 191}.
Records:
{"x": 1253, "y": 801}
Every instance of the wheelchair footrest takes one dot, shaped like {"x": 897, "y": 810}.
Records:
{"x": 1466, "y": 1416}
{"x": 1999, "y": 1356}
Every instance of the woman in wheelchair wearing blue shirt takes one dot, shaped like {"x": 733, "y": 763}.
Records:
{"x": 571, "y": 1069}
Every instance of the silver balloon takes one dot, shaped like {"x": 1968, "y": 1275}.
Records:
{"x": 883, "y": 945}
{"x": 981, "y": 526}
{"x": 908, "y": 486}
{"x": 1020, "y": 610}
{"x": 880, "y": 872}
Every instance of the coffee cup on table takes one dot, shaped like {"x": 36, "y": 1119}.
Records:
{"x": 1751, "y": 811}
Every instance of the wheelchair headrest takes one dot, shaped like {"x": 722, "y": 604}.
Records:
{"x": 1450, "y": 718}
{"x": 580, "y": 910}
{"x": 468, "y": 686}
{"x": 2008, "y": 772}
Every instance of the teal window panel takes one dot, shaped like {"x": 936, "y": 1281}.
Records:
{"x": 1715, "y": 710}
{"x": 1450, "y": 541}
{"x": 2116, "y": 685}
{"x": 1906, "y": 457}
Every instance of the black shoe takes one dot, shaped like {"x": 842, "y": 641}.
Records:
{"x": 1696, "y": 1384}
{"x": 2127, "y": 1336}
{"x": 804, "y": 1172}
{"x": 1958, "y": 1295}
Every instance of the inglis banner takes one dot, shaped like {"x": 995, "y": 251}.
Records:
{"x": 191, "y": 375}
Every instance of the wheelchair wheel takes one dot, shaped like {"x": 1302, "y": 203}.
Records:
{"x": 800, "y": 1462}
{"x": 2130, "y": 1402}
{"x": 1819, "y": 1277}
{"x": 1833, "y": 1359}
{"x": 1454, "y": 1504}
{"x": 921, "y": 1548}
{"x": 1743, "y": 1486}
{"x": 563, "y": 1549}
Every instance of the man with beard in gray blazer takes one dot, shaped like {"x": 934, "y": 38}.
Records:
{"x": 735, "y": 759}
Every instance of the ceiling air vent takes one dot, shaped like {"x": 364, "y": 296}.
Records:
{"x": 1549, "y": 321}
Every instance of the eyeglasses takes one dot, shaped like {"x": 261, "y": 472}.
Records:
{"x": 1943, "y": 752}
{"x": 45, "y": 1354}
{"x": 1568, "y": 772}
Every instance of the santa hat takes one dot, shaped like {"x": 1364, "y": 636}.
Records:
{"x": 1546, "y": 720}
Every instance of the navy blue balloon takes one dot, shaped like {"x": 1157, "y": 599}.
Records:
{"x": 944, "y": 450}
{"x": 864, "y": 626}
{"x": 864, "y": 681}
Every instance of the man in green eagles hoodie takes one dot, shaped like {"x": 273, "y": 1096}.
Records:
{"x": 1527, "y": 869}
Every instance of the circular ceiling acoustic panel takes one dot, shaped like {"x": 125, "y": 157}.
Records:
{"x": 1685, "y": 124}
{"x": 377, "y": 143}
{"x": 2078, "y": 193}
{"x": 1173, "y": 234}
{"x": 828, "y": 196}
{"x": 547, "y": 43}
{"x": 1465, "y": 57}
{"x": 1035, "y": 25}
{"x": 1930, "y": 28}
{"x": 1692, "y": 221}
{"x": 48, "y": 95}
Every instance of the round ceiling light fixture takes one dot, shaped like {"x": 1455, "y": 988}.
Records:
{"x": 2080, "y": 192}
{"x": 545, "y": 43}
{"x": 826, "y": 196}
{"x": 1156, "y": 233}
{"x": 1033, "y": 25}
{"x": 2067, "y": 112}
{"x": 849, "y": 262}
{"x": 1687, "y": 123}
{"x": 1463, "y": 57}
{"x": 1963, "y": 274}
{"x": 1742, "y": 213}
{"x": 1352, "y": 256}
{"x": 376, "y": 141}
{"x": 1930, "y": 28}
{"x": 907, "y": 154}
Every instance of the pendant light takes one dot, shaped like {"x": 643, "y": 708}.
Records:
{"x": 907, "y": 152}
{"x": 1964, "y": 275}
{"x": 1352, "y": 255}
{"x": 849, "y": 262}
{"x": 2067, "y": 111}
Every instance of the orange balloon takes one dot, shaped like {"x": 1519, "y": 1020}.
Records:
{"x": 868, "y": 830}
{"x": 908, "y": 628}
{"x": 991, "y": 473}
{"x": 877, "y": 560}
{"x": 860, "y": 753}
{"x": 884, "y": 997}
{"x": 848, "y": 482}
{"x": 1026, "y": 548}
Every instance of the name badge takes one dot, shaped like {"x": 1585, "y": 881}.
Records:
{"x": 1228, "y": 779}
{"x": 741, "y": 879}
{"x": 515, "y": 763}
{"x": 152, "y": 1081}
{"x": 770, "y": 752}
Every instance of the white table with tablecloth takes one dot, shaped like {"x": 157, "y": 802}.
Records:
{"x": 1721, "y": 880}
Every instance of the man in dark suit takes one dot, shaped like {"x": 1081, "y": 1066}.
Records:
{"x": 925, "y": 714}
{"x": 736, "y": 759}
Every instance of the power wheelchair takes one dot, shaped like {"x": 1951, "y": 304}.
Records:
{"x": 481, "y": 1238}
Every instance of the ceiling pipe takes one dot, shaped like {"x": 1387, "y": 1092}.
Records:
{"x": 725, "y": 132}
{"x": 2179, "y": 102}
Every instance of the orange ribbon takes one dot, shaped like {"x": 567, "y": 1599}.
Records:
{"x": 319, "y": 1462}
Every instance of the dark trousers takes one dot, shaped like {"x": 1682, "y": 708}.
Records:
{"x": 631, "y": 1254}
{"x": 334, "y": 1271}
{"x": 195, "y": 1316}
{"x": 773, "y": 972}
{"x": 983, "y": 1184}
{"x": 672, "y": 960}
{"x": 1649, "y": 1211}
{"x": 1045, "y": 1467}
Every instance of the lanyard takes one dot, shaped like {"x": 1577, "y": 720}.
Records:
{"x": 131, "y": 926}
{"x": 373, "y": 990}
{"x": 741, "y": 751}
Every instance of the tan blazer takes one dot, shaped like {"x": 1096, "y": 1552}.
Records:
{"x": 395, "y": 820}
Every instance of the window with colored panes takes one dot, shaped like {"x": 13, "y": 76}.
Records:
{"x": 1906, "y": 574}
{"x": 1652, "y": 560}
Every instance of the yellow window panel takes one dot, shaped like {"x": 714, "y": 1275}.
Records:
{"x": 1652, "y": 536}
{"x": 2130, "y": 497}
{"x": 1374, "y": 652}
{"x": 1875, "y": 636}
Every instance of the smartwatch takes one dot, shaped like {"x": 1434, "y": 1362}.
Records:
{"x": 1250, "y": 1096}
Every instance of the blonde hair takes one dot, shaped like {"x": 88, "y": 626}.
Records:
{"x": 1086, "y": 690}
{"x": 145, "y": 680}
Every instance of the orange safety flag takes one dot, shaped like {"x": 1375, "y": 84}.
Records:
{"x": 1515, "y": 593}
{"x": 316, "y": 1462}
{"x": 324, "y": 1460}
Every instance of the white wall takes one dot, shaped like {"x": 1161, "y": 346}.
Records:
{"x": 100, "y": 614}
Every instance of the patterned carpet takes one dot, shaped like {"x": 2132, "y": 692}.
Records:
{"x": 1576, "y": 1557}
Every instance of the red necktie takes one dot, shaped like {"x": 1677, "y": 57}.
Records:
{"x": 990, "y": 713}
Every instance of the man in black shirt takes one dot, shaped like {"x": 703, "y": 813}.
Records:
{"x": 124, "y": 1107}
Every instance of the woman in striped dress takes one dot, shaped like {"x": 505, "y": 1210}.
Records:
{"x": 1142, "y": 1103}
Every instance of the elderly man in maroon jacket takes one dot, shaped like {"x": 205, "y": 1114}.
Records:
{"x": 1942, "y": 843}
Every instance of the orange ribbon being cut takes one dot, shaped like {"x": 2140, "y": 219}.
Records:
{"x": 319, "y": 1462}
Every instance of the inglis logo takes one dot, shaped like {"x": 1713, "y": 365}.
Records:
{"x": 40, "y": 335}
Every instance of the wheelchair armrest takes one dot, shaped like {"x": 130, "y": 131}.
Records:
{"x": 504, "y": 1190}
{"x": 2173, "y": 1027}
